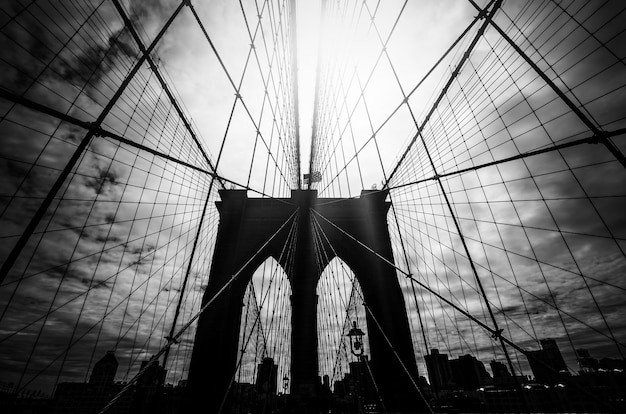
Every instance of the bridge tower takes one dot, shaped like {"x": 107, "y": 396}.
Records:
{"x": 245, "y": 226}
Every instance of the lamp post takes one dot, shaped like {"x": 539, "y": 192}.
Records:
{"x": 356, "y": 347}
{"x": 356, "y": 340}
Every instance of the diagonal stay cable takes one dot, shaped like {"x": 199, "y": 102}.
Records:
{"x": 575, "y": 109}
{"x": 415, "y": 88}
{"x": 594, "y": 139}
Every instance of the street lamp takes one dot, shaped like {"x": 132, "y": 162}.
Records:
{"x": 356, "y": 340}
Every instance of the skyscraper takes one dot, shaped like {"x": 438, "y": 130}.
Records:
{"x": 469, "y": 373}
{"x": 547, "y": 364}
{"x": 104, "y": 370}
{"x": 267, "y": 377}
{"x": 439, "y": 371}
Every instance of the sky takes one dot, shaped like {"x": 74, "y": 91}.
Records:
{"x": 531, "y": 226}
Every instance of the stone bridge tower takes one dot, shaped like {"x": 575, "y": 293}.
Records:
{"x": 245, "y": 226}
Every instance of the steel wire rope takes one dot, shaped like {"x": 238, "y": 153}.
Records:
{"x": 545, "y": 280}
{"x": 407, "y": 263}
{"x": 228, "y": 75}
{"x": 57, "y": 54}
{"x": 592, "y": 34}
{"x": 145, "y": 51}
{"x": 323, "y": 102}
{"x": 473, "y": 215}
{"x": 456, "y": 262}
{"x": 22, "y": 276}
{"x": 76, "y": 156}
{"x": 100, "y": 131}
{"x": 153, "y": 326}
{"x": 16, "y": 15}
{"x": 56, "y": 291}
{"x": 101, "y": 283}
{"x": 190, "y": 261}
{"x": 456, "y": 271}
{"x": 251, "y": 51}
{"x": 529, "y": 292}
{"x": 3, "y": 118}
{"x": 558, "y": 230}
{"x": 91, "y": 281}
{"x": 31, "y": 84}
{"x": 419, "y": 83}
{"x": 270, "y": 75}
{"x": 500, "y": 236}
{"x": 551, "y": 66}
{"x": 574, "y": 108}
{"x": 354, "y": 75}
{"x": 70, "y": 346}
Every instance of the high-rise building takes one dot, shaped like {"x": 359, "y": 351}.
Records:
{"x": 267, "y": 377}
{"x": 585, "y": 361}
{"x": 547, "y": 364}
{"x": 152, "y": 374}
{"x": 91, "y": 397}
{"x": 469, "y": 373}
{"x": 104, "y": 370}
{"x": 439, "y": 371}
{"x": 499, "y": 369}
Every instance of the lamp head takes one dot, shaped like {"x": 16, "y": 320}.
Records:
{"x": 356, "y": 340}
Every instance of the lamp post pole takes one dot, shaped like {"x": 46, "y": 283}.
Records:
{"x": 356, "y": 347}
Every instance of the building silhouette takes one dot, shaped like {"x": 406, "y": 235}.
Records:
{"x": 104, "y": 370}
{"x": 93, "y": 396}
{"x": 469, "y": 373}
{"x": 547, "y": 364}
{"x": 267, "y": 377}
{"x": 439, "y": 370}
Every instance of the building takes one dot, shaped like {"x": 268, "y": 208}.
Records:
{"x": 499, "y": 369}
{"x": 104, "y": 370}
{"x": 267, "y": 377}
{"x": 469, "y": 373}
{"x": 547, "y": 364}
{"x": 93, "y": 396}
{"x": 439, "y": 371}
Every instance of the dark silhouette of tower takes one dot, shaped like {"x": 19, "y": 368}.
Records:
{"x": 267, "y": 377}
{"x": 469, "y": 373}
{"x": 103, "y": 373}
{"x": 93, "y": 396}
{"x": 499, "y": 369}
{"x": 547, "y": 363}
{"x": 439, "y": 371}
{"x": 250, "y": 231}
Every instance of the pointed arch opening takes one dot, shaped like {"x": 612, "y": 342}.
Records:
{"x": 340, "y": 306}
{"x": 265, "y": 331}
